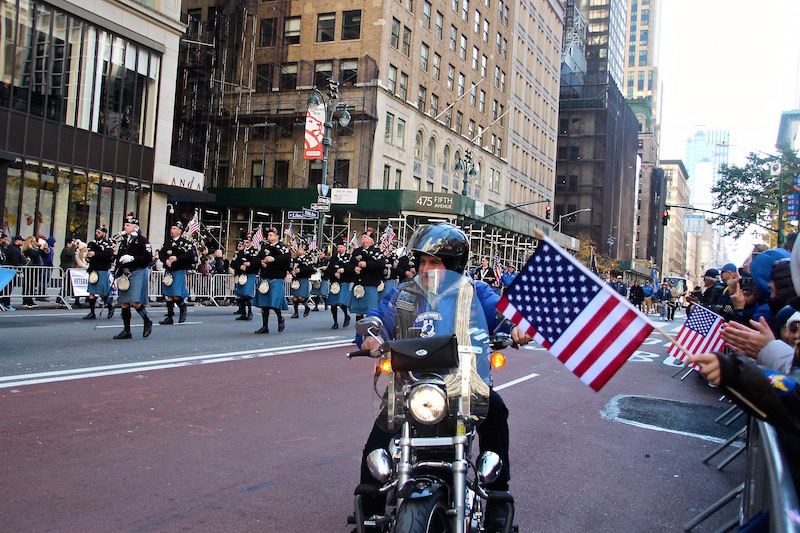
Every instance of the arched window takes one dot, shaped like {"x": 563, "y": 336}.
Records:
{"x": 431, "y": 151}
{"x": 457, "y": 159}
{"x": 478, "y": 180}
{"x": 418, "y": 145}
{"x": 446, "y": 162}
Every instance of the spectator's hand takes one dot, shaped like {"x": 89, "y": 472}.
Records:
{"x": 738, "y": 300}
{"x": 709, "y": 366}
{"x": 746, "y": 340}
{"x": 125, "y": 259}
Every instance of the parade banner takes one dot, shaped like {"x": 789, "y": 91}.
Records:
{"x": 79, "y": 278}
{"x": 315, "y": 124}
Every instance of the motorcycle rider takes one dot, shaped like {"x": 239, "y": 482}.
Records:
{"x": 426, "y": 306}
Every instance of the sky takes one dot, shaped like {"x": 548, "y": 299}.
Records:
{"x": 728, "y": 64}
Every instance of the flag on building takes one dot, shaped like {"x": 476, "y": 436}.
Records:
{"x": 354, "y": 241}
{"x": 582, "y": 321}
{"x": 387, "y": 238}
{"x": 194, "y": 224}
{"x": 701, "y": 333}
{"x": 498, "y": 269}
{"x": 258, "y": 236}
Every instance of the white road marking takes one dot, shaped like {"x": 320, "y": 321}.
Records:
{"x": 515, "y": 381}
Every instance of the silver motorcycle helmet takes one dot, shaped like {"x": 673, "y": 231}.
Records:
{"x": 444, "y": 241}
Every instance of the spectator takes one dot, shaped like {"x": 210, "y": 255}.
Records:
{"x": 637, "y": 295}
{"x": 508, "y": 277}
{"x": 648, "y": 291}
{"x": 728, "y": 274}
{"x": 712, "y": 290}
{"x": 221, "y": 264}
{"x": 788, "y": 243}
{"x": 34, "y": 253}
{"x": 10, "y": 256}
{"x": 68, "y": 255}
{"x": 620, "y": 286}
{"x": 664, "y": 297}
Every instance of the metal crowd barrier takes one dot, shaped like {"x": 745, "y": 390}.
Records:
{"x": 37, "y": 282}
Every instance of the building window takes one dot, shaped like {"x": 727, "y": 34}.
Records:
{"x": 437, "y": 66}
{"x": 462, "y": 53}
{"x": 289, "y": 77}
{"x": 465, "y": 10}
{"x": 426, "y": 14}
{"x": 398, "y": 177}
{"x": 395, "y": 39}
{"x": 446, "y": 160}
{"x": 644, "y": 37}
{"x": 453, "y": 36}
{"x": 472, "y": 95}
{"x": 348, "y": 69}
{"x": 351, "y": 25}
{"x": 451, "y": 74}
{"x": 416, "y": 184}
{"x": 267, "y": 34}
{"x": 482, "y": 101}
{"x": 484, "y": 62}
{"x": 477, "y": 22}
{"x": 640, "y": 81}
{"x": 403, "y": 86}
{"x": 642, "y": 58}
{"x": 263, "y": 77}
{"x": 475, "y": 55}
{"x": 418, "y": 145}
{"x": 409, "y": 5}
{"x": 400, "y": 137}
{"x": 422, "y": 97}
{"x": 257, "y": 175}
{"x": 291, "y": 30}
{"x": 460, "y": 84}
{"x": 650, "y": 80}
{"x": 193, "y": 19}
{"x": 388, "y": 134}
{"x": 323, "y": 71}
{"x": 391, "y": 83}
{"x": 485, "y": 31}
{"x": 434, "y": 105}
{"x": 281, "y": 179}
{"x": 459, "y": 121}
{"x": 326, "y": 24}
{"x": 406, "y": 41}
{"x": 387, "y": 175}
{"x": 439, "y": 25}
{"x": 341, "y": 172}
{"x": 448, "y": 116}
{"x": 423, "y": 57}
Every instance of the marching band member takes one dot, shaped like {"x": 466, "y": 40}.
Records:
{"x": 100, "y": 256}
{"x": 302, "y": 268}
{"x": 336, "y": 273}
{"x": 245, "y": 267}
{"x": 178, "y": 256}
{"x": 274, "y": 259}
{"x": 367, "y": 264}
{"x": 391, "y": 274}
{"x": 132, "y": 259}
{"x": 484, "y": 273}
{"x": 320, "y": 285}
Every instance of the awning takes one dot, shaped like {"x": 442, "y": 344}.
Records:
{"x": 182, "y": 194}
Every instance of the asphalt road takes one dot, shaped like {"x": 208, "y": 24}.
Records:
{"x": 208, "y": 427}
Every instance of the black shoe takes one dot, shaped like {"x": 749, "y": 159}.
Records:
{"x": 295, "y": 315}
{"x": 281, "y": 324}
{"x": 238, "y": 312}
{"x": 346, "y": 321}
{"x": 148, "y": 327}
{"x": 110, "y": 311}
{"x": 90, "y": 316}
{"x": 305, "y": 313}
{"x": 335, "y": 326}
{"x": 264, "y": 329}
{"x": 76, "y": 305}
{"x": 316, "y": 308}
{"x": 182, "y": 316}
{"x": 166, "y": 322}
{"x": 123, "y": 335}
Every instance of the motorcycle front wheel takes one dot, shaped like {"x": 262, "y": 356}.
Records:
{"x": 423, "y": 515}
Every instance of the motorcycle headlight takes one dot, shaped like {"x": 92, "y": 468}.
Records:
{"x": 427, "y": 404}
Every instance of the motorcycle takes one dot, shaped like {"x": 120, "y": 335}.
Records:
{"x": 435, "y": 400}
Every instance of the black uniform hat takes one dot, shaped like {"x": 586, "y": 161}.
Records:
{"x": 369, "y": 232}
{"x": 272, "y": 229}
{"x": 131, "y": 219}
{"x": 342, "y": 242}
{"x": 178, "y": 224}
{"x": 248, "y": 236}
{"x": 103, "y": 229}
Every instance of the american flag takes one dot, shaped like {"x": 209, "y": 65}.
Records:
{"x": 582, "y": 321}
{"x": 258, "y": 236}
{"x": 292, "y": 239}
{"x": 700, "y": 333}
{"x": 387, "y": 238}
{"x": 498, "y": 269}
{"x": 354, "y": 241}
{"x": 194, "y": 224}
{"x": 314, "y": 242}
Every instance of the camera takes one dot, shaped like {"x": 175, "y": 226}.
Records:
{"x": 747, "y": 283}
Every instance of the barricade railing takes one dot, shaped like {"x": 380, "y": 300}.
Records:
{"x": 222, "y": 286}
{"x": 37, "y": 282}
{"x": 201, "y": 287}
{"x": 154, "y": 284}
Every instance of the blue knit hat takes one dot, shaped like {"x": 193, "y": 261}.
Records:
{"x": 761, "y": 267}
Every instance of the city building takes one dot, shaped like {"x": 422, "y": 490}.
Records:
{"x": 436, "y": 130}
{"x": 86, "y": 115}
{"x": 641, "y": 62}
{"x": 706, "y": 151}
{"x": 675, "y": 239}
{"x": 789, "y": 129}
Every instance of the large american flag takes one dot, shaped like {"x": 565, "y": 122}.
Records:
{"x": 700, "y": 334}
{"x": 387, "y": 238}
{"x": 582, "y": 321}
{"x": 194, "y": 224}
{"x": 258, "y": 236}
{"x": 498, "y": 269}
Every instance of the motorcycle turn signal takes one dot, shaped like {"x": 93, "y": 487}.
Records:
{"x": 498, "y": 360}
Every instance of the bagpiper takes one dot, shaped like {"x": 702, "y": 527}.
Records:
{"x": 302, "y": 269}
{"x": 339, "y": 293}
{"x": 133, "y": 257}
{"x": 177, "y": 256}
{"x": 391, "y": 274}
{"x": 320, "y": 285}
{"x": 100, "y": 255}
{"x": 245, "y": 267}
{"x": 367, "y": 263}
{"x": 274, "y": 260}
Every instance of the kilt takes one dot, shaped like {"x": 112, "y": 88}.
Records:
{"x": 178, "y": 287}
{"x": 369, "y": 301}
{"x": 275, "y": 298}
{"x": 137, "y": 293}
{"x": 343, "y": 298}
{"x": 324, "y": 288}
{"x": 388, "y": 284}
{"x": 248, "y": 289}
{"x": 102, "y": 286}
{"x": 303, "y": 291}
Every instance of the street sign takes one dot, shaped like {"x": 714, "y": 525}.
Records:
{"x": 310, "y": 213}
{"x": 323, "y": 200}
{"x": 322, "y": 208}
{"x": 793, "y": 206}
{"x": 296, "y": 215}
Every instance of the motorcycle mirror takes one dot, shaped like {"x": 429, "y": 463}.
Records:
{"x": 371, "y": 325}
{"x": 488, "y": 467}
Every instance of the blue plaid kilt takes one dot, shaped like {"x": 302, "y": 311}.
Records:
{"x": 102, "y": 286}
{"x": 388, "y": 284}
{"x": 369, "y": 301}
{"x": 275, "y": 298}
{"x": 343, "y": 298}
{"x": 303, "y": 291}
{"x": 322, "y": 290}
{"x": 246, "y": 290}
{"x": 137, "y": 293}
{"x": 178, "y": 287}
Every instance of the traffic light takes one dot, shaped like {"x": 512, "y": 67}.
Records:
{"x": 665, "y": 217}
{"x": 547, "y": 209}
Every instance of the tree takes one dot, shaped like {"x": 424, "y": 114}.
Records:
{"x": 584, "y": 255}
{"x": 750, "y": 193}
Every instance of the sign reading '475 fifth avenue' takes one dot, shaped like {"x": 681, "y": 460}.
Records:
{"x": 439, "y": 203}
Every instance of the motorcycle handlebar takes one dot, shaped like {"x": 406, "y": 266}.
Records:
{"x": 364, "y": 353}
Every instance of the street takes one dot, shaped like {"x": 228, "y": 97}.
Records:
{"x": 205, "y": 426}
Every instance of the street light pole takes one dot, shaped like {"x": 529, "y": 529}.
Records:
{"x": 317, "y": 98}
{"x": 469, "y": 170}
{"x": 557, "y": 227}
